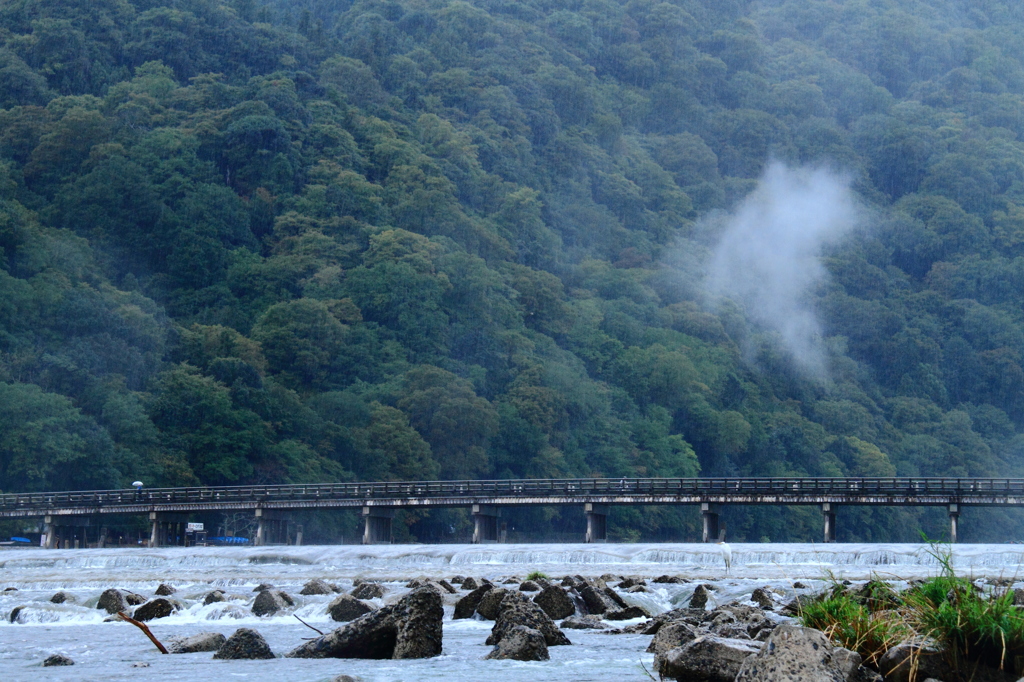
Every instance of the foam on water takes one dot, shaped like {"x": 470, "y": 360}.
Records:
{"x": 105, "y": 649}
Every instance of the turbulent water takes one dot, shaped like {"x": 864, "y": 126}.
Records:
{"x": 111, "y": 651}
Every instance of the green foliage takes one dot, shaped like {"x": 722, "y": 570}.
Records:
{"x": 267, "y": 243}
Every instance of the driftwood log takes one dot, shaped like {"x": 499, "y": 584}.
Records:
{"x": 145, "y": 628}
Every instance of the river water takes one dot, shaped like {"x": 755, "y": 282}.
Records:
{"x": 119, "y": 651}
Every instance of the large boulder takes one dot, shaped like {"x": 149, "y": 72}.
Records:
{"x": 529, "y": 586}
{"x": 627, "y": 613}
{"x": 706, "y": 659}
{"x": 763, "y": 598}
{"x": 469, "y": 584}
{"x": 490, "y": 604}
{"x": 598, "y": 600}
{"x": 699, "y": 598}
{"x": 164, "y": 590}
{"x": 315, "y": 586}
{"x": 368, "y": 591}
{"x": 555, "y": 602}
{"x": 899, "y": 662}
{"x": 410, "y": 628}
{"x": 521, "y": 643}
{"x": 467, "y": 606}
{"x": 244, "y": 644}
{"x": 269, "y": 602}
{"x": 794, "y": 654}
{"x": 738, "y": 621}
{"x": 157, "y": 608}
{"x": 516, "y": 609}
{"x": 213, "y": 597}
{"x": 113, "y": 601}
{"x": 345, "y": 607}
{"x": 204, "y": 641}
{"x": 672, "y": 635}
{"x": 588, "y": 622}
{"x": 56, "y": 660}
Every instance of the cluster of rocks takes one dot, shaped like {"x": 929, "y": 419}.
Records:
{"x": 575, "y": 595}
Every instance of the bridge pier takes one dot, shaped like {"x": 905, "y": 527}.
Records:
{"x": 377, "y": 525}
{"x": 597, "y": 522}
{"x": 954, "y": 521}
{"x": 272, "y": 527}
{"x": 711, "y": 531}
{"x": 830, "y": 521}
{"x": 60, "y": 531}
{"x": 164, "y": 525}
{"x": 485, "y": 523}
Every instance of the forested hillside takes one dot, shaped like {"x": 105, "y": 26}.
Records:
{"x": 323, "y": 240}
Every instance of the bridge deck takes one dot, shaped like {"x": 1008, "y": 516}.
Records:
{"x": 420, "y": 494}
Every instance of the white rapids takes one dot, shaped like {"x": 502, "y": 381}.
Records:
{"x": 108, "y": 651}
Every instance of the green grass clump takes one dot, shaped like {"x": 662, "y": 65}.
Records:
{"x": 855, "y": 626}
{"x": 972, "y": 627}
{"x": 536, "y": 575}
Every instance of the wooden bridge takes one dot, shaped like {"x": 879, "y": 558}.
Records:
{"x": 377, "y": 502}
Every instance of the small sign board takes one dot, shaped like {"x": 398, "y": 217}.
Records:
{"x": 193, "y": 527}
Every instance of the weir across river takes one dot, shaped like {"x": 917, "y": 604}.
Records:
{"x": 168, "y": 509}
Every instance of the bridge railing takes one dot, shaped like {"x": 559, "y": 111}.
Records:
{"x": 470, "y": 490}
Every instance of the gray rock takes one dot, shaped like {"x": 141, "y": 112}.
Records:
{"x": 269, "y": 602}
{"x": 244, "y": 644}
{"x": 516, "y": 609}
{"x": 113, "y": 601}
{"x": 215, "y": 596}
{"x": 597, "y": 600}
{"x": 56, "y": 660}
{"x": 204, "y": 641}
{"x": 670, "y": 580}
{"x": 345, "y": 607}
{"x": 62, "y": 597}
{"x": 316, "y": 586}
{"x": 164, "y": 590}
{"x": 15, "y": 614}
{"x": 589, "y": 622}
{"x": 794, "y": 654}
{"x": 345, "y": 678}
{"x": 467, "y": 606}
{"x": 706, "y": 659}
{"x": 763, "y": 598}
{"x": 410, "y": 628}
{"x": 470, "y": 584}
{"x": 447, "y": 587}
{"x": 555, "y": 602}
{"x": 738, "y": 621}
{"x": 529, "y": 586}
{"x": 151, "y": 610}
{"x": 490, "y": 604}
{"x": 671, "y": 635}
{"x": 699, "y": 599}
{"x": 631, "y": 582}
{"x": 521, "y": 643}
{"x": 636, "y": 588}
{"x": 263, "y": 587}
{"x": 368, "y": 591}
{"x": 134, "y": 599}
{"x": 628, "y": 613}
{"x": 897, "y": 663}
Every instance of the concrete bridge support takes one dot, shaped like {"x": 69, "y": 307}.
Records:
{"x": 272, "y": 527}
{"x": 954, "y": 521}
{"x": 709, "y": 520}
{"x": 65, "y": 532}
{"x": 485, "y": 523}
{"x": 597, "y": 522}
{"x": 377, "y": 525}
{"x": 829, "y": 512}
{"x": 167, "y": 528}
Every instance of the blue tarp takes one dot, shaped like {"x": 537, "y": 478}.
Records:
{"x": 229, "y": 540}
{"x": 13, "y": 539}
